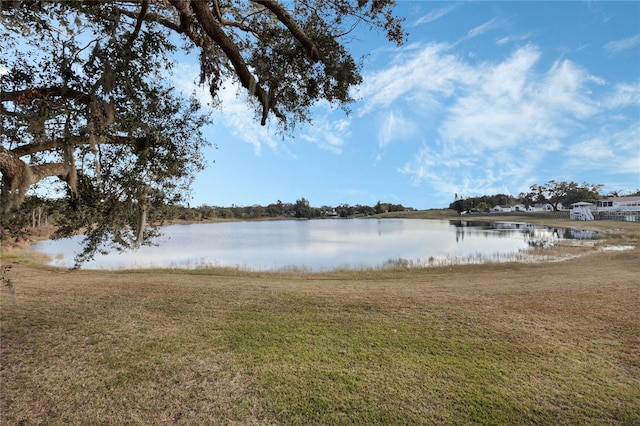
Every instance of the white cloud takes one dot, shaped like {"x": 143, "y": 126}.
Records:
{"x": 481, "y": 29}
{"x": 625, "y": 95}
{"x": 619, "y": 147}
{"x": 500, "y": 41}
{"x": 565, "y": 89}
{"x": 507, "y": 106}
{"x": 434, "y": 15}
{"x": 419, "y": 74}
{"x": 326, "y": 134}
{"x": 511, "y": 76}
{"x": 594, "y": 148}
{"x": 234, "y": 113}
{"x": 395, "y": 127}
{"x": 499, "y": 122}
{"x": 460, "y": 168}
{"x": 493, "y": 126}
{"x": 624, "y": 44}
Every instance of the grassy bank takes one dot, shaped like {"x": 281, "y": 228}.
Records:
{"x": 492, "y": 344}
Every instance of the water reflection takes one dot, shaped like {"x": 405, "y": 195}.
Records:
{"x": 529, "y": 231}
{"x": 321, "y": 244}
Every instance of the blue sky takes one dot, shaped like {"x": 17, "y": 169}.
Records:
{"x": 484, "y": 98}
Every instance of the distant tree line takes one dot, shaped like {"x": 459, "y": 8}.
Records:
{"x": 553, "y": 193}
{"x": 39, "y": 211}
{"x": 483, "y": 203}
{"x": 301, "y": 209}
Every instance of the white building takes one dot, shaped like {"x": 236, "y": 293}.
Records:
{"x": 581, "y": 211}
{"x": 618, "y": 204}
{"x": 540, "y": 208}
{"x": 627, "y": 207}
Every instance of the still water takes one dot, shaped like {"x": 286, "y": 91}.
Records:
{"x": 320, "y": 245}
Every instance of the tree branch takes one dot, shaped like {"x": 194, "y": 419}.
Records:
{"x": 139, "y": 21}
{"x": 18, "y": 176}
{"x": 154, "y": 17}
{"x": 284, "y": 17}
{"x": 211, "y": 26}
{"x": 27, "y": 95}
{"x": 60, "y": 143}
{"x": 42, "y": 171}
{"x": 227, "y": 23}
{"x": 10, "y": 164}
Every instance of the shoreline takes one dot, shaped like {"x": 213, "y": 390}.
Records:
{"x": 617, "y": 236}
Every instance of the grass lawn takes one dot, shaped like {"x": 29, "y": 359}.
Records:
{"x": 541, "y": 343}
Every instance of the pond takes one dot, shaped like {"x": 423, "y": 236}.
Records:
{"x": 321, "y": 245}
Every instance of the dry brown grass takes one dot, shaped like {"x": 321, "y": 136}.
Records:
{"x": 505, "y": 344}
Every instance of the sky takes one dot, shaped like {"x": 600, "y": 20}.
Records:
{"x": 483, "y": 98}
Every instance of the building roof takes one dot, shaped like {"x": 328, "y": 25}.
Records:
{"x": 581, "y": 203}
{"x": 621, "y": 199}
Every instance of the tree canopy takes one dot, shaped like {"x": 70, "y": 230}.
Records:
{"x": 87, "y": 96}
{"x": 552, "y": 192}
{"x": 565, "y": 193}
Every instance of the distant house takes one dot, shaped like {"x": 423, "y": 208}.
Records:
{"x": 540, "y": 208}
{"x": 618, "y": 204}
{"x": 331, "y": 213}
{"x": 522, "y": 208}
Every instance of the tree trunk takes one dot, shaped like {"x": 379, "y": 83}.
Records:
{"x": 143, "y": 209}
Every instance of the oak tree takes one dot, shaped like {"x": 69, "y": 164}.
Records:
{"x": 87, "y": 96}
{"x": 565, "y": 193}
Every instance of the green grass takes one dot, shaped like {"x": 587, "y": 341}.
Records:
{"x": 328, "y": 364}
